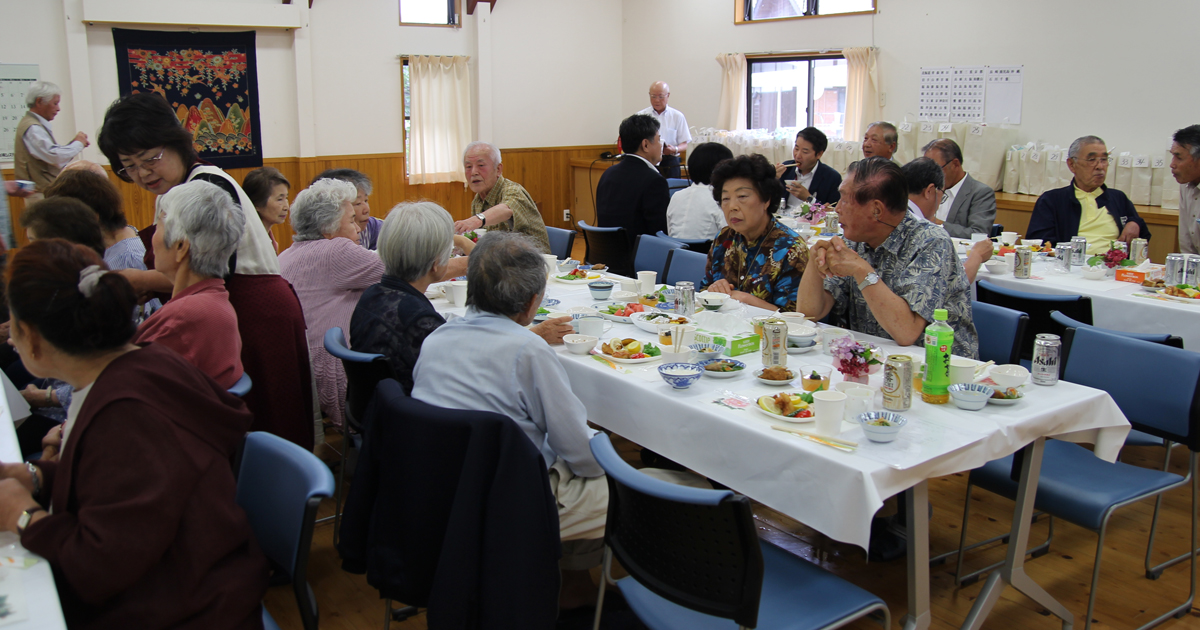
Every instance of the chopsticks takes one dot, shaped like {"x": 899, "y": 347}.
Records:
{"x": 843, "y": 445}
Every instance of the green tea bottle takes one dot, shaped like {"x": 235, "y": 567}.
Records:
{"x": 939, "y": 339}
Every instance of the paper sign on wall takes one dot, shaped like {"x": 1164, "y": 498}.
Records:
{"x": 935, "y": 93}
{"x": 971, "y": 94}
{"x": 15, "y": 80}
{"x": 967, "y": 92}
{"x": 1002, "y": 102}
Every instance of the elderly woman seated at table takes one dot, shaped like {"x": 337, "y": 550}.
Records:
{"x": 199, "y": 227}
{"x": 394, "y": 317}
{"x": 267, "y": 189}
{"x": 142, "y": 529}
{"x": 329, "y": 271}
{"x": 756, "y": 259}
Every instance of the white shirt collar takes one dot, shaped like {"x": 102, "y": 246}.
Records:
{"x": 45, "y": 123}
{"x": 943, "y": 210}
{"x": 915, "y": 211}
{"x": 648, "y": 163}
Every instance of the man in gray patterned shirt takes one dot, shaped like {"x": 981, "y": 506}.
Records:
{"x": 892, "y": 271}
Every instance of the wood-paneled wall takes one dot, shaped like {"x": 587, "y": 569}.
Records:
{"x": 544, "y": 171}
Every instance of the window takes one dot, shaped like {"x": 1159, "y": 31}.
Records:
{"x": 797, "y": 92}
{"x": 430, "y": 12}
{"x": 407, "y": 103}
{"x": 756, "y": 10}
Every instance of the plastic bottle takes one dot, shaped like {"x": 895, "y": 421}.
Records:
{"x": 939, "y": 340}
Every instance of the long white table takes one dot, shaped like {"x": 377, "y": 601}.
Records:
{"x": 1116, "y": 305}
{"x": 834, "y": 492}
{"x": 37, "y": 582}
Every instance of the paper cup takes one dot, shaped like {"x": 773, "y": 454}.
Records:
{"x": 962, "y": 370}
{"x": 631, "y": 285}
{"x": 829, "y": 406}
{"x": 458, "y": 292}
{"x": 593, "y": 326}
{"x": 647, "y": 279}
{"x": 858, "y": 400}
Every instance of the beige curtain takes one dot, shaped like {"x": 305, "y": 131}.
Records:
{"x": 862, "y": 91}
{"x": 441, "y": 119}
{"x": 732, "y": 112}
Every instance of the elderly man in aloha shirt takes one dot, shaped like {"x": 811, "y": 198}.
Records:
{"x": 892, "y": 271}
{"x": 499, "y": 203}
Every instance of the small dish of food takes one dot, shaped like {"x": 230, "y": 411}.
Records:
{"x": 707, "y": 351}
{"x": 712, "y": 300}
{"x": 722, "y": 368}
{"x": 680, "y": 375}
{"x": 787, "y": 406}
{"x": 579, "y": 344}
{"x": 815, "y": 378}
{"x": 1005, "y": 396}
{"x": 996, "y": 267}
{"x": 970, "y": 396}
{"x": 777, "y": 375}
{"x": 881, "y": 426}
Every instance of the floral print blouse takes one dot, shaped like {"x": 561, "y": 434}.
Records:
{"x": 769, "y": 269}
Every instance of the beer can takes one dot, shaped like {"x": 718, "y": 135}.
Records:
{"x": 1047, "y": 349}
{"x": 774, "y": 349}
{"x": 1023, "y": 264}
{"x": 1062, "y": 257}
{"x": 685, "y": 298}
{"x": 1174, "y": 271}
{"x": 1139, "y": 250}
{"x": 898, "y": 382}
{"x": 831, "y": 222}
{"x": 1191, "y": 270}
{"x": 1080, "y": 245}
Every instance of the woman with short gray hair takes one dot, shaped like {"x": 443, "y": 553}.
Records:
{"x": 199, "y": 228}
{"x": 329, "y": 271}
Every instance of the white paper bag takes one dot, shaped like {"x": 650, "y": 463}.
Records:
{"x": 954, "y": 131}
{"x": 1110, "y": 179}
{"x": 1158, "y": 179}
{"x": 1053, "y": 167}
{"x": 907, "y": 149}
{"x": 985, "y": 153}
{"x": 1035, "y": 170}
{"x": 1139, "y": 186}
{"x": 1012, "y": 172}
{"x": 926, "y": 133}
{"x": 1170, "y": 194}
{"x": 1124, "y": 172}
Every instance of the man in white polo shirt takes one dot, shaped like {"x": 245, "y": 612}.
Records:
{"x": 1185, "y": 167}
{"x": 672, "y": 125}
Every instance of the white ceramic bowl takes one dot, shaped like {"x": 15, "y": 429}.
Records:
{"x": 707, "y": 351}
{"x": 1010, "y": 375}
{"x": 712, "y": 300}
{"x": 996, "y": 266}
{"x": 1094, "y": 273}
{"x": 624, "y": 296}
{"x": 802, "y": 332}
{"x": 579, "y": 344}
{"x": 881, "y": 433}
{"x": 970, "y": 396}
{"x": 680, "y": 375}
{"x": 1032, "y": 242}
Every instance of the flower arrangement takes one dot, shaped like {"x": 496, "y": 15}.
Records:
{"x": 813, "y": 212}
{"x": 1112, "y": 258}
{"x": 854, "y": 359}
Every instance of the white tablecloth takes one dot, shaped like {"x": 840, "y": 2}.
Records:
{"x": 834, "y": 492}
{"x": 1114, "y": 305}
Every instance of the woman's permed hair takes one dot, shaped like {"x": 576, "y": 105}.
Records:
{"x": 140, "y": 122}
{"x": 204, "y": 215}
{"x": 94, "y": 190}
{"x": 415, "y": 236}
{"x": 755, "y": 168}
{"x": 317, "y": 210}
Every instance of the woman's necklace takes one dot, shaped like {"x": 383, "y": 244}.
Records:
{"x": 750, "y": 258}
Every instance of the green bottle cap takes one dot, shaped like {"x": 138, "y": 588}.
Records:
{"x": 940, "y": 315}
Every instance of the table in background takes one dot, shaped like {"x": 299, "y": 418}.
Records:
{"x": 833, "y": 492}
{"x": 1113, "y": 303}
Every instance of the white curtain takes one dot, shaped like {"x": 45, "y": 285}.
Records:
{"x": 862, "y": 91}
{"x": 441, "y": 119}
{"x": 732, "y": 112}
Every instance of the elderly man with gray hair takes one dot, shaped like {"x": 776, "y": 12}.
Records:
{"x": 969, "y": 206}
{"x": 499, "y": 203}
{"x": 1086, "y": 207}
{"x": 37, "y": 156}
{"x": 199, "y": 228}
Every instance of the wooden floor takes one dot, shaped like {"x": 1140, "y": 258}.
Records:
{"x": 1127, "y": 599}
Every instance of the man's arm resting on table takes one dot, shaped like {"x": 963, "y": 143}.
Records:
{"x": 492, "y": 216}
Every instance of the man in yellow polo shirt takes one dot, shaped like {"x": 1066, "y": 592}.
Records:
{"x": 1086, "y": 207}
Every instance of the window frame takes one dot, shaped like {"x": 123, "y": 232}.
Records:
{"x": 405, "y": 108}
{"x": 786, "y": 57}
{"x": 457, "y": 4}
{"x": 739, "y": 14}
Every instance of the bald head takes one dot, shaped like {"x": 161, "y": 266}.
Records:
{"x": 660, "y": 93}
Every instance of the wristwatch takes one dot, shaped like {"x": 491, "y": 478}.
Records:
{"x": 25, "y": 517}
{"x": 871, "y": 278}
{"x": 482, "y": 219}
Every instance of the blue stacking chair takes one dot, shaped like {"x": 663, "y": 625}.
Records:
{"x": 651, "y": 252}
{"x": 242, "y": 386}
{"x": 694, "y": 560}
{"x": 701, "y": 245}
{"x": 1157, "y": 389}
{"x": 686, "y": 265}
{"x": 1001, "y": 331}
{"x": 675, "y": 184}
{"x": 363, "y": 373}
{"x": 1038, "y": 307}
{"x": 280, "y": 486}
{"x": 561, "y": 241}
{"x": 609, "y": 246}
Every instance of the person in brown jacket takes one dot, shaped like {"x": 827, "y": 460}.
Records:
{"x": 37, "y": 156}
{"x": 143, "y": 529}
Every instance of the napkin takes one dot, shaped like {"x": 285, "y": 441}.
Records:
{"x": 722, "y": 323}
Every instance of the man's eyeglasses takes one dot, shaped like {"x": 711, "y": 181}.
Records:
{"x": 945, "y": 196}
{"x": 148, "y": 165}
{"x": 1093, "y": 160}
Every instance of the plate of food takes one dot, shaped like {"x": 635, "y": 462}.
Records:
{"x": 650, "y": 319}
{"x": 630, "y": 351}
{"x": 549, "y": 303}
{"x": 1181, "y": 293}
{"x": 722, "y": 368}
{"x": 787, "y": 406}
{"x": 1153, "y": 286}
{"x": 1004, "y": 396}
{"x": 776, "y": 375}
{"x": 794, "y": 348}
{"x": 619, "y": 312}
{"x": 579, "y": 276}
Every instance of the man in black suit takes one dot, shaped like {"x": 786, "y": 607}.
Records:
{"x": 805, "y": 177}
{"x": 633, "y": 194}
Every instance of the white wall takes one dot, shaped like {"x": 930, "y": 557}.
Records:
{"x": 1106, "y": 67}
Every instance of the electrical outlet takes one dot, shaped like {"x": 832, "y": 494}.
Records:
{"x": 567, "y": 215}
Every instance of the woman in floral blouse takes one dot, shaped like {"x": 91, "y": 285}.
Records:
{"x": 756, "y": 259}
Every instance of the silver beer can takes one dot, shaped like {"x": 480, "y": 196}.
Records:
{"x": 1139, "y": 250}
{"x": 898, "y": 382}
{"x": 1024, "y": 263}
{"x": 774, "y": 349}
{"x": 1062, "y": 257}
{"x": 1047, "y": 349}
{"x": 1174, "y": 272}
{"x": 1080, "y": 244}
{"x": 831, "y": 222}
{"x": 685, "y": 298}
{"x": 1191, "y": 270}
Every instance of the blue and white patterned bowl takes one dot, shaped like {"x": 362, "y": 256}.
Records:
{"x": 877, "y": 433}
{"x": 970, "y": 396}
{"x": 707, "y": 351}
{"x": 680, "y": 375}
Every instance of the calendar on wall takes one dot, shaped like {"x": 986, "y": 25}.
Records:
{"x": 15, "y": 80}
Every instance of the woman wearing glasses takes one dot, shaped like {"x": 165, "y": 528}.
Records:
{"x": 143, "y": 140}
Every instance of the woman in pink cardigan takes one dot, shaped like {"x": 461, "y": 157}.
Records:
{"x": 329, "y": 271}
